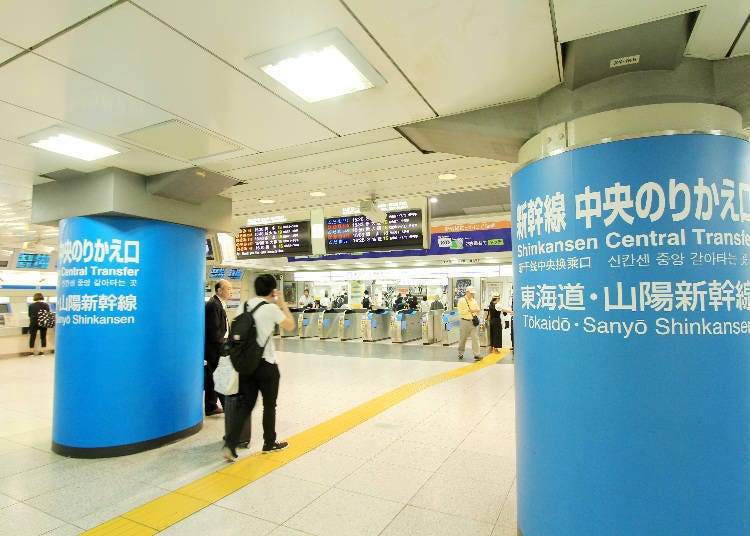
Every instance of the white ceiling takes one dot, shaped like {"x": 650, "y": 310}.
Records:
{"x": 110, "y": 69}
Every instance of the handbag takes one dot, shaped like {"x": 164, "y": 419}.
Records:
{"x": 474, "y": 318}
{"x": 45, "y": 318}
{"x": 226, "y": 379}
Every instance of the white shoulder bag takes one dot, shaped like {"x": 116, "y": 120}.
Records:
{"x": 226, "y": 379}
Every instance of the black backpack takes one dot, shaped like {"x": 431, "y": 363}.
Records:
{"x": 242, "y": 346}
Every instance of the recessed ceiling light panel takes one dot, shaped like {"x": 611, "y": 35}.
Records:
{"x": 320, "y": 67}
{"x": 61, "y": 141}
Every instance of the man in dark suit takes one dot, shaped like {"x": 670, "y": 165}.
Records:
{"x": 217, "y": 330}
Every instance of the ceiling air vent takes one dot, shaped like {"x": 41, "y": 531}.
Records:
{"x": 180, "y": 139}
{"x": 653, "y": 45}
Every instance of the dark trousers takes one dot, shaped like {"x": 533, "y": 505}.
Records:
{"x": 211, "y": 396}
{"x": 266, "y": 380}
{"x": 496, "y": 333}
{"x": 42, "y": 336}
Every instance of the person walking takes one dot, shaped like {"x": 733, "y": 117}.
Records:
{"x": 217, "y": 330}
{"x": 266, "y": 377}
{"x": 37, "y": 305}
{"x": 494, "y": 315}
{"x": 467, "y": 309}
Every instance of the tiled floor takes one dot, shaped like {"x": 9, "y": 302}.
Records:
{"x": 439, "y": 463}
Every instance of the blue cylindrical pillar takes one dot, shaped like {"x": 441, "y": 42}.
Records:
{"x": 632, "y": 306}
{"x": 129, "y": 337}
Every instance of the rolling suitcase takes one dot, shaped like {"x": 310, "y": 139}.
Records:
{"x": 231, "y": 405}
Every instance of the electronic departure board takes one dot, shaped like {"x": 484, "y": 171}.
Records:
{"x": 274, "y": 240}
{"x": 35, "y": 261}
{"x": 402, "y": 229}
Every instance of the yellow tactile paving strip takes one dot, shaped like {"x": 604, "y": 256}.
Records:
{"x": 173, "y": 507}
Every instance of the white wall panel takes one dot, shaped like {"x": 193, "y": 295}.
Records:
{"x": 7, "y": 51}
{"x": 242, "y": 28}
{"x": 38, "y": 84}
{"x": 27, "y": 22}
{"x": 131, "y": 51}
{"x": 469, "y": 54}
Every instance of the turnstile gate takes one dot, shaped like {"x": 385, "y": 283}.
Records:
{"x": 451, "y": 327}
{"x": 405, "y": 326}
{"x": 294, "y": 332}
{"x": 432, "y": 327}
{"x": 308, "y": 323}
{"x": 376, "y": 325}
{"x": 350, "y": 324}
{"x": 328, "y": 323}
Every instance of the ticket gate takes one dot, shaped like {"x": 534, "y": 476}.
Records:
{"x": 294, "y": 332}
{"x": 484, "y": 332}
{"x": 405, "y": 326}
{"x": 451, "y": 327}
{"x": 329, "y": 323}
{"x": 432, "y": 327}
{"x": 376, "y": 325}
{"x": 350, "y": 324}
{"x": 308, "y": 323}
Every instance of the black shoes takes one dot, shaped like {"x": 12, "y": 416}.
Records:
{"x": 217, "y": 411}
{"x": 229, "y": 453}
{"x": 478, "y": 358}
{"x": 460, "y": 357}
{"x": 281, "y": 445}
{"x": 243, "y": 445}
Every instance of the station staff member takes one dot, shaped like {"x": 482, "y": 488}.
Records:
{"x": 467, "y": 308}
{"x": 306, "y": 301}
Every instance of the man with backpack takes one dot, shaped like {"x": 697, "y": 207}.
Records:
{"x": 268, "y": 309}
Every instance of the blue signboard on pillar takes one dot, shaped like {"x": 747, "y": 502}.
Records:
{"x": 632, "y": 303}
{"x": 129, "y": 341}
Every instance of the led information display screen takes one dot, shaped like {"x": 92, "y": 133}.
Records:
{"x": 402, "y": 229}
{"x": 234, "y": 273}
{"x": 217, "y": 272}
{"x": 274, "y": 240}
{"x": 39, "y": 261}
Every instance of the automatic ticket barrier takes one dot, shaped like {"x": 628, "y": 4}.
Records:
{"x": 451, "y": 327}
{"x": 350, "y": 324}
{"x": 376, "y": 325}
{"x": 406, "y": 326}
{"x": 329, "y": 323}
{"x": 432, "y": 327}
{"x": 296, "y": 314}
{"x": 484, "y": 333}
{"x": 308, "y": 323}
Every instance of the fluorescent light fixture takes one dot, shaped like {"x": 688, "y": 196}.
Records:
{"x": 266, "y": 201}
{"x": 58, "y": 140}
{"x": 317, "y": 194}
{"x": 447, "y": 176}
{"x": 320, "y": 67}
